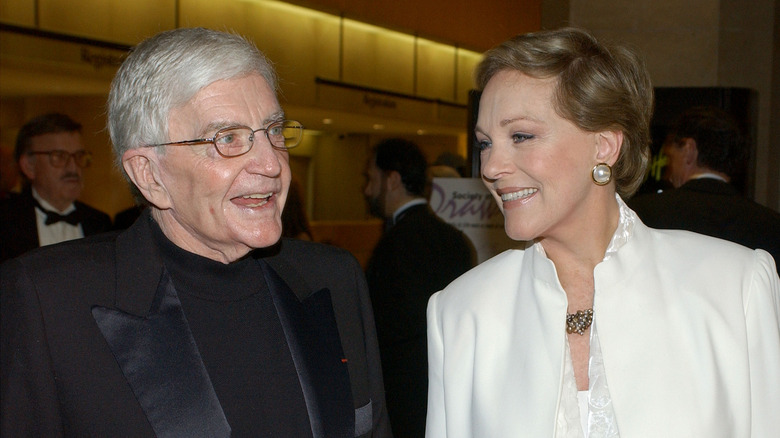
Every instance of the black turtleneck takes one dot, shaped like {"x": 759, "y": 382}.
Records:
{"x": 237, "y": 330}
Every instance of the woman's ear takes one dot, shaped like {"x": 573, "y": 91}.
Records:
{"x": 142, "y": 167}
{"x": 608, "y": 144}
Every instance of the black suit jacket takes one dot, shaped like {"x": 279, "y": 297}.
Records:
{"x": 19, "y": 230}
{"x": 95, "y": 343}
{"x": 715, "y": 208}
{"x": 418, "y": 256}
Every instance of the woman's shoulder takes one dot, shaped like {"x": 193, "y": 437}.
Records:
{"x": 688, "y": 243}
{"x": 709, "y": 256}
{"x": 489, "y": 280}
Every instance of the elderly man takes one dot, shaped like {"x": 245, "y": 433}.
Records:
{"x": 196, "y": 321}
{"x": 51, "y": 156}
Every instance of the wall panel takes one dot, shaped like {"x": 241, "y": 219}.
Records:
{"x": 18, "y": 12}
{"x": 302, "y": 44}
{"x": 436, "y": 68}
{"x": 119, "y": 21}
{"x": 376, "y": 58}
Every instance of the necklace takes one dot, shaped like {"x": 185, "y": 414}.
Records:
{"x": 579, "y": 322}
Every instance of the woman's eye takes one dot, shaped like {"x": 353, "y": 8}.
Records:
{"x": 519, "y": 138}
{"x": 483, "y": 145}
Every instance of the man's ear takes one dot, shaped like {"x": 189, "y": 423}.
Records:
{"x": 608, "y": 144}
{"x": 27, "y": 166}
{"x": 690, "y": 151}
{"x": 394, "y": 180}
{"x": 142, "y": 167}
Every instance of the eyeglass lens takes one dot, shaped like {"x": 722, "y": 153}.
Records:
{"x": 59, "y": 158}
{"x": 232, "y": 142}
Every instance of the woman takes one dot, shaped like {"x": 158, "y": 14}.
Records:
{"x": 600, "y": 326}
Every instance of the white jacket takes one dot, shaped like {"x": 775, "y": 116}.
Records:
{"x": 689, "y": 328}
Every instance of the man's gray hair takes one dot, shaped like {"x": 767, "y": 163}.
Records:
{"x": 166, "y": 71}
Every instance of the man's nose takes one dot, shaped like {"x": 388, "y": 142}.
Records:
{"x": 70, "y": 163}
{"x": 264, "y": 158}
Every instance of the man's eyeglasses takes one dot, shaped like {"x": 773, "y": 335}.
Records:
{"x": 238, "y": 140}
{"x": 60, "y": 158}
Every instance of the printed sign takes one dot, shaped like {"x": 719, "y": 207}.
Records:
{"x": 466, "y": 204}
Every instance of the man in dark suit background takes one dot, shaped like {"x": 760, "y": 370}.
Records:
{"x": 704, "y": 150}
{"x": 52, "y": 158}
{"x": 197, "y": 321}
{"x": 418, "y": 254}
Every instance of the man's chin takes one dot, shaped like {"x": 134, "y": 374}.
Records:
{"x": 263, "y": 237}
{"x": 375, "y": 210}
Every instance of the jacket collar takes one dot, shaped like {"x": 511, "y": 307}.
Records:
{"x": 161, "y": 362}
{"x": 149, "y": 336}
{"x": 312, "y": 335}
{"x": 139, "y": 267}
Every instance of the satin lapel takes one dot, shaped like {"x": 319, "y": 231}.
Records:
{"x": 315, "y": 345}
{"x": 161, "y": 362}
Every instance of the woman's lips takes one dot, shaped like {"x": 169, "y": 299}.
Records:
{"x": 518, "y": 194}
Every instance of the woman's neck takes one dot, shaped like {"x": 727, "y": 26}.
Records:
{"x": 582, "y": 245}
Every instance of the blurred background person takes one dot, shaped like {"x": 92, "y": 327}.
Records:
{"x": 9, "y": 174}
{"x": 600, "y": 326}
{"x": 454, "y": 161}
{"x": 703, "y": 151}
{"x": 295, "y": 223}
{"x": 51, "y": 156}
{"x": 417, "y": 255}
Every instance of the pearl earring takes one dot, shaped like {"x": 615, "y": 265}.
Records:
{"x": 601, "y": 174}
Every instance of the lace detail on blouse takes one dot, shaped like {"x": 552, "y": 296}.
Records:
{"x": 601, "y": 416}
{"x": 567, "y": 421}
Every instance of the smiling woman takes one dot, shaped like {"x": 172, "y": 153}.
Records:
{"x": 587, "y": 330}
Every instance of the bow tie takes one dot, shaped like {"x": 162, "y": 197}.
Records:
{"x": 52, "y": 217}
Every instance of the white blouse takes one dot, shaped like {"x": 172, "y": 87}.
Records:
{"x": 589, "y": 414}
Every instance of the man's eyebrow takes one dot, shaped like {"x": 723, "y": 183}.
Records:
{"x": 216, "y": 125}
{"x": 275, "y": 117}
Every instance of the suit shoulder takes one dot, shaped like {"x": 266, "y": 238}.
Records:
{"x": 92, "y": 211}
{"x": 426, "y": 226}
{"x": 13, "y": 204}
{"x": 305, "y": 248}
{"x": 314, "y": 256}
{"x": 77, "y": 251}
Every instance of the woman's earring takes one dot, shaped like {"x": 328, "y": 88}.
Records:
{"x": 601, "y": 174}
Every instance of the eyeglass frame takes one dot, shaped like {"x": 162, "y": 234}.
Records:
{"x": 213, "y": 139}
{"x": 76, "y": 156}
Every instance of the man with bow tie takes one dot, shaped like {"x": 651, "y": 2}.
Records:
{"x": 51, "y": 157}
